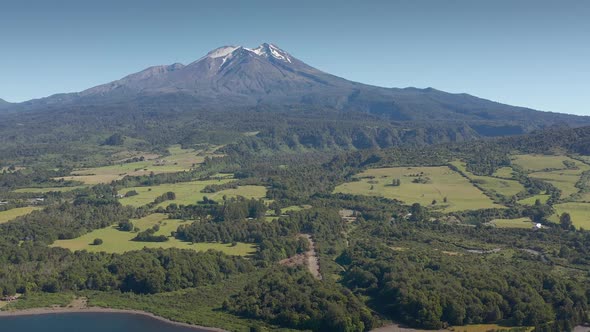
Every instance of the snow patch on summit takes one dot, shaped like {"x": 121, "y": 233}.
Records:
{"x": 222, "y": 51}
{"x": 278, "y": 53}
{"x": 264, "y": 50}
{"x": 275, "y": 52}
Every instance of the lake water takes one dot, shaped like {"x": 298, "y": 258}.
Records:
{"x": 89, "y": 322}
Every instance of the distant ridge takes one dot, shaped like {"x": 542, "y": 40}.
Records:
{"x": 4, "y": 103}
{"x": 267, "y": 76}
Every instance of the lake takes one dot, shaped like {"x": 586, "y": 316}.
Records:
{"x": 89, "y": 322}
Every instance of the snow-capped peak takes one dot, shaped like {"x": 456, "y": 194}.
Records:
{"x": 265, "y": 50}
{"x": 271, "y": 50}
{"x": 221, "y": 52}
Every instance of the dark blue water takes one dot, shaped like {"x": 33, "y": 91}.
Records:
{"x": 89, "y": 322}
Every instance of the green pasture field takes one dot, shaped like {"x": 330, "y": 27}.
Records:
{"x": 186, "y": 192}
{"x": 584, "y": 197}
{"x": 580, "y": 213}
{"x": 9, "y": 215}
{"x": 460, "y": 193}
{"x": 537, "y": 162}
{"x": 294, "y": 208}
{"x": 189, "y": 193}
{"x": 502, "y": 186}
{"x": 179, "y": 160}
{"x": 513, "y": 223}
{"x": 565, "y": 180}
{"x": 560, "y": 176}
{"x": 531, "y": 200}
{"x": 116, "y": 241}
{"x": 504, "y": 172}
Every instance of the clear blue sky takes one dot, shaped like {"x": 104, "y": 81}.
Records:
{"x": 531, "y": 53}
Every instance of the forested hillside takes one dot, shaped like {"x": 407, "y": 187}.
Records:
{"x": 428, "y": 235}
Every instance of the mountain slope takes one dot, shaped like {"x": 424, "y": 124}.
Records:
{"x": 4, "y": 103}
{"x": 267, "y": 76}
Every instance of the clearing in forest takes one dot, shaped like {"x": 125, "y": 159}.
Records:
{"x": 179, "y": 160}
{"x": 422, "y": 185}
{"x": 564, "y": 180}
{"x": 513, "y": 223}
{"x": 539, "y": 162}
{"x": 533, "y": 199}
{"x": 188, "y": 192}
{"x": 117, "y": 241}
{"x": 580, "y": 213}
{"x": 501, "y": 186}
{"x": 561, "y": 171}
{"x": 9, "y": 215}
{"x": 504, "y": 172}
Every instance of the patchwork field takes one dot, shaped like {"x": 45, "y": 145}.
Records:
{"x": 116, "y": 241}
{"x": 561, "y": 171}
{"x": 512, "y": 223}
{"x": 189, "y": 192}
{"x": 580, "y": 213}
{"x": 8, "y": 215}
{"x": 564, "y": 180}
{"x": 179, "y": 160}
{"x": 502, "y": 186}
{"x": 536, "y": 162}
{"x": 439, "y": 182}
{"x": 531, "y": 200}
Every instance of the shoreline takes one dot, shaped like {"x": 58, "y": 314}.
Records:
{"x": 98, "y": 310}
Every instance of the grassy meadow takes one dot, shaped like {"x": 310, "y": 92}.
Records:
{"x": 499, "y": 185}
{"x": 580, "y": 213}
{"x": 442, "y": 182}
{"x": 504, "y": 172}
{"x": 584, "y": 197}
{"x": 179, "y": 160}
{"x": 116, "y": 241}
{"x": 189, "y": 192}
{"x": 531, "y": 200}
{"x": 513, "y": 223}
{"x": 186, "y": 192}
{"x": 564, "y": 180}
{"x": 552, "y": 169}
{"x": 295, "y": 208}
{"x": 537, "y": 162}
{"x": 9, "y": 215}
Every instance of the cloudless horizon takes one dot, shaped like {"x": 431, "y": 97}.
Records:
{"x": 526, "y": 53}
